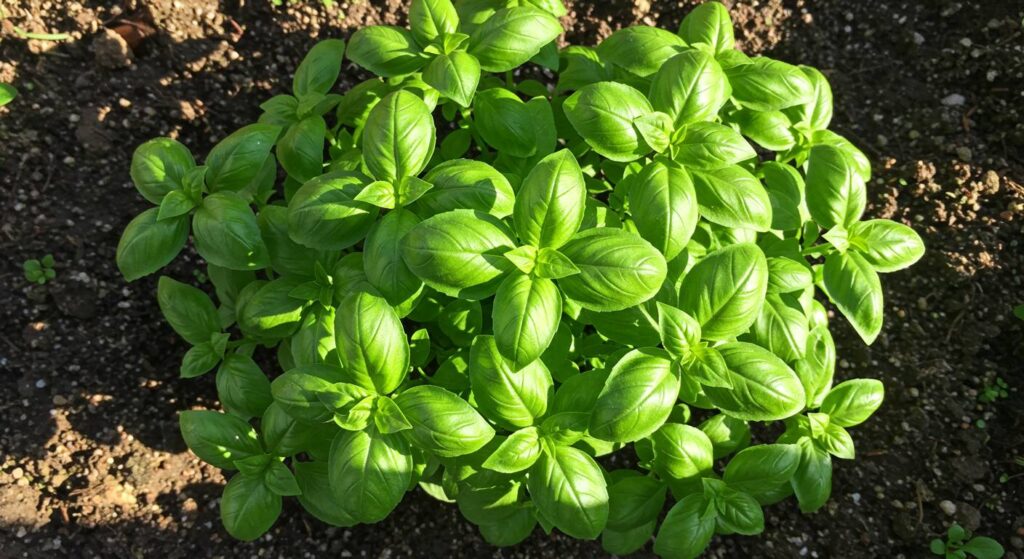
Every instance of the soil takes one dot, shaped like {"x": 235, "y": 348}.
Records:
{"x": 91, "y": 462}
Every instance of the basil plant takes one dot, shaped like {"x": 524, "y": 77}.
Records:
{"x": 481, "y": 282}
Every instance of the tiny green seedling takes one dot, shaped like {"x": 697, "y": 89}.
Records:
{"x": 7, "y": 93}
{"x": 998, "y": 389}
{"x": 960, "y": 545}
{"x": 39, "y": 271}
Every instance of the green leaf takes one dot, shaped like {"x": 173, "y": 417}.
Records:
{"x": 382, "y": 261}
{"x": 242, "y": 387}
{"x": 467, "y": 184}
{"x": 248, "y": 507}
{"x": 836, "y": 194}
{"x": 159, "y": 166}
{"x": 524, "y": 257}
{"x": 301, "y": 149}
{"x": 628, "y": 541}
{"x": 739, "y": 512}
{"x": 690, "y": 87}
{"x": 7, "y": 93}
{"x": 218, "y": 439}
{"x": 236, "y": 161}
{"x": 431, "y": 19}
{"x": 580, "y": 66}
{"x": 371, "y": 342}
{"x": 769, "y": 85}
{"x": 398, "y": 138}
{"x": 283, "y": 435}
{"x": 388, "y": 417}
{"x": 785, "y": 188}
{"x": 569, "y": 489}
{"x": 316, "y": 496}
{"x": 456, "y": 75}
{"x": 853, "y": 286}
{"x": 442, "y": 423}
{"x": 781, "y": 327}
{"x": 639, "y": 50}
{"x": 325, "y": 214}
{"x": 525, "y": 316}
{"x": 786, "y": 275}
{"x": 199, "y": 360}
{"x": 727, "y": 434}
{"x": 634, "y": 501}
{"x": 618, "y": 269}
{"x": 984, "y": 548}
{"x": 886, "y": 245}
{"x": 709, "y": 146}
{"x": 552, "y": 264}
{"x": 687, "y": 529}
{"x": 550, "y": 203}
{"x": 769, "y": 129}
{"x": 458, "y": 252}
{"x": 511, "y": 398}
{"x": 816, "y": 114}
{"x": 174, "y": 204}
{"x": 732, "y": 197}
{"x": 725, "y": 291}
{"x": 857, "y": 158}
{"x": 461, "y": 321}
{"x": 271, "y": 312}
{"x": 306, "y": 394}
{"x": 679, "y": 331}
{"x": 603, "y": 114}
{"x": 319, "y": 70}
{"x": 637, "y": 397}
{"x": 708, "y": 23}
{"x": 681, "y": 455}
{"x": 227, "y": 234}
{"x": 663, "y": 204}
{"x": 508, "y": 124}
{"x": 812, "y": 481}
{"x": 760, "y": 469}
{"x": 369, "y": 473}
{"x": 148, "y": 244}
{"x": 280, "y": 480}
{"x": 512, "y": 36}
{"x": 386, "y": 50}
{"x": 764, "y": 388}
{"x": 656, "y": 130}
{"x": 517, "y": 453}
{"x": 189, "y": 311}
{"x": 852, "y": 402}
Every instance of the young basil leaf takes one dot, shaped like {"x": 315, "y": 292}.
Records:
{"x": 319, "y": 69}
{"x": 786, "y": 275}
{"x": 817, "y": 113}
{"x": 461, "y": 321}
{"x": 853, "y": 286}
{"x": 382, "y": 261}
{"x": 512, "y": 399}
{"x": 656, "y": 130}
{"x": 781, "y": 327}
{"x": 687, "y": 529}
{"x": 603, "y": 114}
{"x": 386, "y": 50}
{"x": 690, "y": 87}
{"x": 316, "y": 496}
{"x": 388, "y": 417}
{"x": 174, "y": 204}
{"x": 443, "y": 423}
{"x": 301, "y": 149}
{"x": 467, "y": 184}
{"x": 709, "y": 146}
{"x": 199, "y": 360}
{"x": 617, "y": 269}
{"x": 739, "y": 512}
{"x": 227, "y": 234}
{"x": 456, "y": 75}
{"x": 431, "y": 19}
{"x": 760, "y": 469}
{"x": 149, "y": 244}
{"x": 681, "y": 455}
{"x": 369, "y": 473}
{"x": 525, "y": 316}
{"x": 581, "y": 66}
{"x": 242, "y": 387}
{"x": 764, "y": 388}
{"x": 710, "y": 24}
{"x": 505, "y": 122}
{"x": 218, "y": 439}
{"x": 236, "y": 161}
{"x": 270, "y": 312}
{"x": 159, "y": 166}
{"x": 398, "y": 138}
{"x": 727, "y": 434}
{"x": 732, "y": 197}
{"x": 679, "y": 331}
{"x": 511, "y": 36}
{"x": 769, "y": 129}
{"x": 634, "y": 501}
{"x": 517, "y": 453}
{"x": 552, "y": 264}
{"x": 857, "y": 158}
{"x": 639, "y": 50}
{"x": 769, "y": 85}
{"x": 248, "y": 507}
{"x": 852, "y": 402}
{"x": 983, "y": 548}
{"x": 550, "y": 203}
{"x": 371, "y": 342}
{"x": 280, "y": 480}
{"x": 305, "y": 394}
{"x": 189, "y": 311}
{"x": 637, "y": 397}
{"x": 886, "y": 245}
{"x": 835, "y": 193}
{"x": 325, "y": 214}
{"x": 458, "y": 252}
{"x": 725, "y": 291}
{"x": 812, "y": 481}
{"x": 568, "y": 488}
{"x": 785, "y": 188}
{"x": 663, "y": 204}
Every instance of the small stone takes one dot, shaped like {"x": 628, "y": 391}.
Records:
{"x": 59, "y": 400}
{"x": 954, "y": 100}
{"x": 17, "y": 473}
{"x": 922, "y": 303}
{"x": 948, "y": 507}
{"x": 964, "y": 153}
{"x": 918, "y": 38}
{"x": 111, "y": 50}
{"x": 41, "y": 383}
{"x": 991, "y": 181}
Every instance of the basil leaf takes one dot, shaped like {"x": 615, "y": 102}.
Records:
{"x": 727, "y": 434}
{"x": 710, "y": 24}
{"x": 236, "y": 161}
{"x": 525, "y": 316}
{"x": 687, "y": 529}
{"x": 818, "y": 368}
{"x": 639, "y": 50}
{"x": 458, "y": 252}
{"x": 325, "y": 214}
{"x": 456, "y": 75}
{"x": 759, "y": 470}
{"x": 710, "y": 146}
{"x": 836, "y": 194}
{"x": 739, "y": 512}
{"x": 511, "y": 398}
{"x": 637, "y": 397}
{"x": 242, "y": 387}
{"x": 681, "y": 455}
{"x": 218, "y": 439}
{"x": 852, "y": 402}
{"x": 466, "y": 184}
{"x": 769, "y": 129}
{"x": 227, "y": 234}
{"x": 517, "y": 453}
{"x": 286, "y": 436}
{"x": 552, "y": 264}
{"x": 781, "y": 327}
{"x": 857, "y": 158}
{"x": 679, "y": 331}
{"x": 853, "y": 286}
{"x": 286, "y": 256}
{"x": 461, "y": 321}
{"x": 431, "y": 19}
{"x": 385, "y": 50}
{"x": 628, "y": 541}
{"x": 550, "y": 203}
{"x": 505, "y": 122}
{"x": 690, "y": 87}
{"x": 816, "y": 114}
{"x": 617, "y": 269}
{"x": 369, "y": 473}
{"x": 569, "y": 489}
{"x": 248, "y": 507}
{"x": 149, "y": 244}
{"x": 786, "y": 275}
{"x": 270, "y": 312}
{"x": 812, "y": 482}
{"x": 725, "y": 291}
{"x": 316, "y": 496}
{"x": 189, "y": 311}
{"x": 443, "y": 423}
{"x": 319, "y": 70}
{"x": 159, "y": 167}
{"x": 634, "y": 501}
{"x": 732, "y": 197}
{"x": 301, "y": 149}
{"x": 371, "y": 342}
{"x": 398, "y": 138}
{"x": 886, "y": 245}
{"x": 663, "y": 204}
{"x": 580, "y": 66}
{"x": 382, "y": 261}
{"x": 512, "y": 36}
{"x": 603, "y": 114}
{"x": 785, "y": 188}
{"x": 764, "y": 388}
{"x": 769, "y": 85}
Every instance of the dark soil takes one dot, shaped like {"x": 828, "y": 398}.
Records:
{"x": 91, "y": 463}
